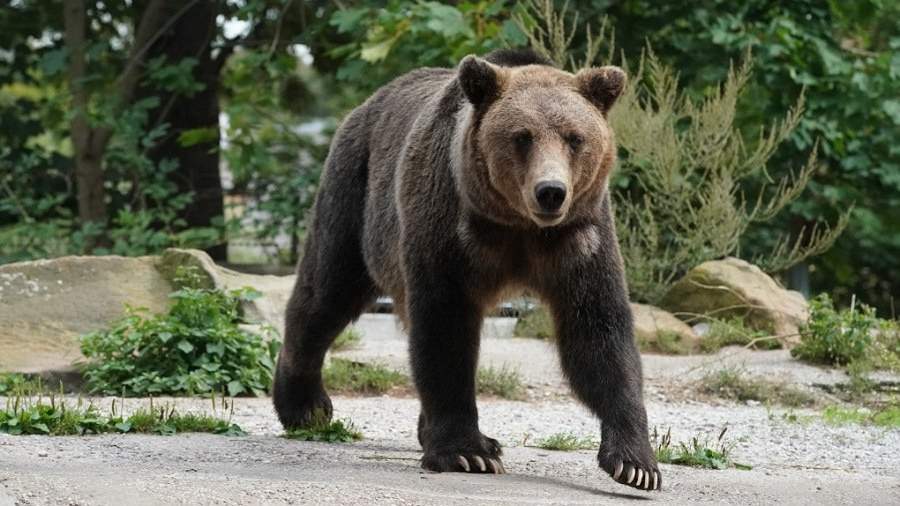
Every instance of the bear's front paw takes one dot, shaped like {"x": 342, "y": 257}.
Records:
{"x": 302, "y": 406}
{"x": 633, "y": 465}
{"x": 479, "y": 456}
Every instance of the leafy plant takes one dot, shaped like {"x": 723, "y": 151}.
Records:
{"x": 197, "y": 347}
{"x": 698, "y": 452}
{"x": 504, "y": 382}
{"x": 566, "y": 442}
{"x": 19, "y": 384}
{"x": 33, "y": 416}
{"x": 842, "y": 337}
{"x": 342, "y": 375}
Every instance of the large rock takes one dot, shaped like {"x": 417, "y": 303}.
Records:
{"x": 46, "y": 305}
{"x": 661, "y": 331}
{"x": 735, "y": 288}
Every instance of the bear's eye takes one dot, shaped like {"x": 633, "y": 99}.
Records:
{"x": 522, "y": 140}
{"x": 575, "y": 141}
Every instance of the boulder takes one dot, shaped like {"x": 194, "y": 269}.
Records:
{"x": 735, "y": 288}
{"x": 45, "y": 305}
{"x": 660, "y": 331}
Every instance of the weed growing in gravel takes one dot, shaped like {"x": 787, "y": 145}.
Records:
{"x": 197, "y": 347}
{"x": 567, "y": 442}
{"x": 325, "y": 430}
{"x": 347, "y": 340}
{"x": 698, "y": 452}
{"x": 734, "y": 332}
{"x": 733, "y": 383}
{"x": 504, "y": 382}
{"x": 55, "y": 417}
{"x": 342, "y": 375}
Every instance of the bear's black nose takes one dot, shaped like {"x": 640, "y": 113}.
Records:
{"x": 550, "y": 195}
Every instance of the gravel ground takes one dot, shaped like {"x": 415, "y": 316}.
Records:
{"x": 792, "y": 463}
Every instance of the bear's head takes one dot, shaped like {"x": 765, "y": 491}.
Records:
{"x": 532, "y": 145}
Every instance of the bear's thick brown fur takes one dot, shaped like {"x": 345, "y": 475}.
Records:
{"x": 446, "y": 189}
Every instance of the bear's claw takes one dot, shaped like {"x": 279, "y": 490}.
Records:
{"x": 466, "y": 463}
{"x": 628, "y": 474}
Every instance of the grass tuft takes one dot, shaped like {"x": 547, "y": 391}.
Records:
{"x": 347, "y": 340}
{"x": 342, "y": 375}
{"x": 567, "y": 442}
{"x": 698, "y": 452}
{"x": 504, "y": 382}
{"x": 324, "y": 430}
{"x": 733, "y": 332}
{"x": 888, "y": 416}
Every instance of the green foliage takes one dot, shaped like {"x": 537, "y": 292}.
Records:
{"x": 567, "y": 442}
{"x": 342, "y": 375}
{"x": 18, "y": 384}
{"x": 681, "y": 189}
{"x": 734, "y": 331}
{"x": 401, "y": 35}
{"x": 347, "y": 340}
{"x": 197, "y": 347}
{"x": 55, "y": 417}
{"x": 698, "y": 452}
{"x": 323, "y": 430}
{"x": 836, "y": 337}
{"x": 842, "y": 56}
{"x": 504, "y": 382}
{"x": 734, "y": 384}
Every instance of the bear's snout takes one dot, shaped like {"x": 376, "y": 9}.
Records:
{"x": 550, "y": 195}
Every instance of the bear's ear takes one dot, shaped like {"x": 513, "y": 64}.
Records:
{"x": 480, "y": 80}
{"x": 602, "y": 86}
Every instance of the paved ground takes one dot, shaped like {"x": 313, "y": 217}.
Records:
{"x": 793, "y": 463}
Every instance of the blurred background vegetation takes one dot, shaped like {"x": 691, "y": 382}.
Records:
{"x": 130, "y": 126}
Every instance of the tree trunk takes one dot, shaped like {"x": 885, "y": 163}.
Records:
{"x": 89, "y": 181}
{"x": 191, "y": 36}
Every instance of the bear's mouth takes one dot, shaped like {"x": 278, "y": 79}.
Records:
{"x": 544, "y": 219}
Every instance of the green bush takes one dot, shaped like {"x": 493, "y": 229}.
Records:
{"x": 196, "y": 348}
{"x": 836, "y": 337}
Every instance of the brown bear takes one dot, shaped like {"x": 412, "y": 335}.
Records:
{"x": 447, "y": 189}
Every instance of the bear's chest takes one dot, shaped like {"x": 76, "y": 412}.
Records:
{"x": 510, "y": 256}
